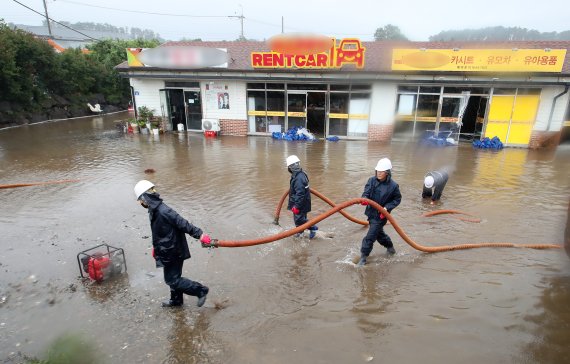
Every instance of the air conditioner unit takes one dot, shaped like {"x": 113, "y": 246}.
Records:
{"x": 210, "y": 125}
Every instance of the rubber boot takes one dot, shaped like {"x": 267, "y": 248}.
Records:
{"x": 202, "y": 297}
{"x": 313, "y": 231}
{"x": 391, "y": 250}
{"x": 176, "y": 299}
{"x": 362, "y": 260}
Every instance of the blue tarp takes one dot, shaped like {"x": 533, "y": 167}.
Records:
{"x": 295, "y": 133}
{"x": 487, "y": 143}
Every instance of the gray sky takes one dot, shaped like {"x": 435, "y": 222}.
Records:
{"x": 418, "y": 19}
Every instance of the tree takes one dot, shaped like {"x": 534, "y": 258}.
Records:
{"x": 389, "y": 32}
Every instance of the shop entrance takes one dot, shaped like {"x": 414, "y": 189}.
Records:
{"x": 316, "y": 113}
{"x": 181, "y": 107}
{"x": 473, "y": 118}
{"x": 193, "y": 106}
{"x": 296, "y": 109}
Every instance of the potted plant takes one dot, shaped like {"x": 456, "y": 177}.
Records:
{"x": 146, "y": 115}
{"x": 155, "y": 127}
{"x": 133, "y": 125}
{"x": 143, "y": 126}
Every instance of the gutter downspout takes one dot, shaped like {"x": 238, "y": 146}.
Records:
{"x": 554, "y": 105}
{"x": 135, "y": 102}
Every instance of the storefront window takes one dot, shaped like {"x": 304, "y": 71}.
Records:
{"x": 275, "y": 86}
{"x": 256, "y": 111}
{"x": 528, "y": 91}
{"x": 340, "y": 87}
{"x": 275, "y": 111}
{"x": 306, "y": 86}
{"x": 413, "y": 89}
{"x": 296, "y": 110}
{"x": 338, "y": 115}
{"x": 405, "y": 113}
{"x": 256, "y": 86}
{"x": 461, "y": 90}
{"x": 426, "y": 114}
{"x": 430, "y": 89}
{"x": 358, "y": 110}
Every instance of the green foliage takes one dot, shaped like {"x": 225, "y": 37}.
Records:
{"x": 32, "y": 72}
{"x": 389, "y": 32}
{"x": 145, "y": 114}
{"x": 498, "y": 34}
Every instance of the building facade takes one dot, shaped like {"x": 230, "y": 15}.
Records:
{"x": 375, "y": 91}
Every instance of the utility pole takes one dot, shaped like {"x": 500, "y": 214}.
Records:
{"x": 282, "y": 25}
{"x": 47, "y": 19}
{"x": 241, "y": 18}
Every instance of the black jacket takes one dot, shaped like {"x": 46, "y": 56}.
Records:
{"x": 386, "y": 194}
{"x": 439, "y": 181}
{"x": 168, "y": 231}
{"x": 299, "y": 192}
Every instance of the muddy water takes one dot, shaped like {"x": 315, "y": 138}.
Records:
{"x": 294, "y": 300}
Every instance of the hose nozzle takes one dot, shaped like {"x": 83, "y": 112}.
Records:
{"x": 212, "y": 244}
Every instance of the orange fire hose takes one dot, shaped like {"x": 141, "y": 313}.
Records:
{"x": 322, "y": 197}
{"x": 439, "y": 212}
{"x": 38, "y": 183}
{"x": 399, "y": 230}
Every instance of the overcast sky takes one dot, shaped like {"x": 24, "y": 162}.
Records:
{"x": 418, "y": 19}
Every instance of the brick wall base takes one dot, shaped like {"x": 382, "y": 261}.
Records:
{"x": 544, "y": 139}
{"x": 380, "y": 133}
{"x": 233, "y": 127}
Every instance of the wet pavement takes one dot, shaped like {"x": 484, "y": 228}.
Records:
{"x": 294, "y": 300}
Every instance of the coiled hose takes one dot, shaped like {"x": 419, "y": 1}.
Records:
{"x": 399, "y": 230}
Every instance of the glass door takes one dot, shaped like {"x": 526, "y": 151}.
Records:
{"x": 297, "y": 110}
{"x": 165, "y": 110}
{"x": 452, "y": 108}
{"x": 193, "y": 105}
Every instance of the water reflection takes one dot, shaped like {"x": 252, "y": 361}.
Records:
{"x": 190, "y": 340}
{"x": 550, "y": 334}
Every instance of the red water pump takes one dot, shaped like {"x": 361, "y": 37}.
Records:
{"x": 101, "y": 262}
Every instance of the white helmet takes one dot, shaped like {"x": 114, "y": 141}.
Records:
{"x": 142, "y": 186}
{"x": 292, "y": 159}
{"x": 428, "y": 181}
{"x": 384, "y": 164}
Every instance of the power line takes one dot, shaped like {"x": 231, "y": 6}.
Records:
{"x": 55, "y": 21}
{"x": 148, "y": 12}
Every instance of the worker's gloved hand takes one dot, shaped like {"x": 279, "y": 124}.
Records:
{"x": 364, "y": 203}
{"x": 205, "y": 239}
{"x": 153, "y": 255}
{"x": 382, "y": 217}
{"x": 295, "y": 210}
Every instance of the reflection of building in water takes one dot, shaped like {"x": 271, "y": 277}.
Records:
{"x": 373, "y": 91}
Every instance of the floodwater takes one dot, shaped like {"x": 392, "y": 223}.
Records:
{"x": 294, "y": 300}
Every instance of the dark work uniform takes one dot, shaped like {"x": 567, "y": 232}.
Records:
{"x": 299, "y": 195}
{"x": 386, "y": 194}
{"x": 171, "y": 248}
{"x": 439, "y": 181}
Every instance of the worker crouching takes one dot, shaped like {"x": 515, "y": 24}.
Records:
{"x": 170, "y": 248}
{"x": 383, "y": 190}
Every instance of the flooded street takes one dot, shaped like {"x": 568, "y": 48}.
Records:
{"x": 294, "y": 300}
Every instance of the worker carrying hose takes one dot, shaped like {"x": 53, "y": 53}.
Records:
{"x": 299, "y": 194}
{"x": 170, "y": 248}
{"x": 434, "y": 182}
{"x": 382, "y": 189}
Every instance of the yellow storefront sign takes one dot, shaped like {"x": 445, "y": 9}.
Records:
{"x": 479, "y": 60}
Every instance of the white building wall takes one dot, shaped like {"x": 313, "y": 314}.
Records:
{"x": 384, "y": 96}
{"x": 211, "y": 103}
{"x": 146, "y": 93}
{"x": 546, "y": 97}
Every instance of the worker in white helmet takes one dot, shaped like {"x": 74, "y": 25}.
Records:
{"x": 434, "y": 182}
{"x": 383, "y": 190}
{"x": 299, "y": 194}
{"x": 170, "y": 248}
